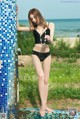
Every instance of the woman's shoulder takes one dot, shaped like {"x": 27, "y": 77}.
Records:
{"x": 50, "y": 24}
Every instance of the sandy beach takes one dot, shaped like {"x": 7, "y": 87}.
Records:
{"x": 69, "y": 40}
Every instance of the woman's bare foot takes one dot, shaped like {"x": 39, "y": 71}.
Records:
{"x": 49, "y": 110}
{"x": 42, "y": 113}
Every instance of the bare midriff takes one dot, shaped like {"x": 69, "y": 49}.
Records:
{"x": 41, "y": 48}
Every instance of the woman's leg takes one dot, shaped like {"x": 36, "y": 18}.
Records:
{"x": 46, "y": 68}
{"x": 39, "y": 70}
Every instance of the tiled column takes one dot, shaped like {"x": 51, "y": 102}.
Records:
{"x": 8, "y": 43}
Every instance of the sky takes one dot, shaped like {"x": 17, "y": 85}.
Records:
{"x": 50, "y": 9}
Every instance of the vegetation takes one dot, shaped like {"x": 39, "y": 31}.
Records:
{"x": 61, "y": 49}
{"x": 64, "y": 76}
{"x": 25, "y": 42}
{"x": 64, "y": 81}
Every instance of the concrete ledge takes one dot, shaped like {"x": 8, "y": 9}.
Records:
{"x": 33, "y": 113}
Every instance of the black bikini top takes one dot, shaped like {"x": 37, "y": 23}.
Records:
{"x": 39, "y": 39}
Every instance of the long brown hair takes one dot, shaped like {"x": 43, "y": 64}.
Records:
{"x": 38, "y": 16}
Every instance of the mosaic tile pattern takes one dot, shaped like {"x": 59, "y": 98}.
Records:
{"x": 33, "y": 113}
{"x": 8, "y": 45}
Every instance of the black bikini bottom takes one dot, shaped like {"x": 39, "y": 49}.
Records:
{"x": 41, "y": 56}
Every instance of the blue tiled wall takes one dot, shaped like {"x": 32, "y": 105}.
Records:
{"x": 8, "y": 43}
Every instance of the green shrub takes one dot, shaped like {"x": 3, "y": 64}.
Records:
{"x": 61, "y": 49}
{"x": 77, "y": 46}
{"x": 62, "y": 45}
{"x": 63, "y": 93}
{"x": 25, "y": 42}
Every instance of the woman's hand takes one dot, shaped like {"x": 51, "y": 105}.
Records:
{"x": 20, "y": 28}
{"x": 47, "y": 37}
{"x": 16, "y": 10}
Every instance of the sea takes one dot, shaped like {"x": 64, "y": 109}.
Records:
{"x": 63, "y": 27}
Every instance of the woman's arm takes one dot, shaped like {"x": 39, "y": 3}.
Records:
{"x": 50, "y": 37}
{"x": 52, "y": 28}
{"x": 21, "y": 28}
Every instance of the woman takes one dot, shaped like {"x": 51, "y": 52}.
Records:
{"x": 43, "y": 33}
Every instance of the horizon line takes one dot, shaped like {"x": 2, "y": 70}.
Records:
{"x": 55, "y": 18}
